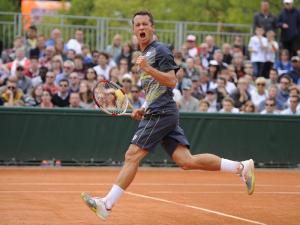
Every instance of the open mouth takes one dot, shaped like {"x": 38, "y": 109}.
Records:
{"x": 142, "y": 34}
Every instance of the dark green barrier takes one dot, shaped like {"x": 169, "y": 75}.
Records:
{"x": 81, "y": 135}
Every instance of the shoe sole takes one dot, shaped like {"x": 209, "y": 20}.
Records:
{"x": 251, "y": 185}
{"x": 91, "y": 204}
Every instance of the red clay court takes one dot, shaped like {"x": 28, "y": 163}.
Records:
{"x": 158, "y": 196}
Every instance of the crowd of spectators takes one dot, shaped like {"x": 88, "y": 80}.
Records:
{"x": 262, "y": 76}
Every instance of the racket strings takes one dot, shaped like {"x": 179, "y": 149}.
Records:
{"x": 110, "y": 98}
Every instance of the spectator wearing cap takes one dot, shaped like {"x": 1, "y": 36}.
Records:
{"x": 265, "y": 18}
{"x": 210, "y": 41}
{"x": 241, "y": 95}
{"x": 228, "y": 106}
{"x": 260, "y": 93}
{"x": 76, "y": 43}
{"x": 23, "y": 82}
{"x": 270, "y": 107}
{"x": 195, "y": 91}
{"x": 257, "y": 48}
{"x": 211, "y": 97}
{"x": 127, "y": 82}
{"x": 289, "y": 23}
{"x": 188, "y": 103}
{"x": 293, "y": 108}
{"x": 192, "y": 46}
{"x": 213, "y": 69}
{"x": 295, "y": 72}
{"x": 203, "y": 106}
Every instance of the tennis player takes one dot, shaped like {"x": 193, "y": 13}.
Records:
{"x": 160, "y": 122}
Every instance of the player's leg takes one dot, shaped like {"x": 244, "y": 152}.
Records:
{"x": 187, "y": 161}
{"x": 102, "y": 206}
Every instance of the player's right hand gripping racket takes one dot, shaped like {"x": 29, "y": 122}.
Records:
{"x": 110, "y": 98}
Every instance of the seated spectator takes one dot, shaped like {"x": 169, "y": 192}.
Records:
{"x": 86, "y": 95}
{"x": 238, "y": 64}
{"x": 241, "y": 95}
{"x": 190, "y": 69}
{"x": 87, "y": 56}
{"x": 61, "y": 98}
{"x": 273, "y": 78}
{"x": 35, "y": 97}
{"x": 248, "y": 107}
{"x": 218, "y": 56}
{"x": 221, "y": 90}
{"x": 270, "y": 107}
{"x": 115, "y": 48}
{"x": 60, "y": 48}
{"x": 195, "y": 92}
{"x": 57, "y": 64}
{"x": 126, "y": 82}
{"x": 39, "y": 51}
{"x": 211, "y": 97}
{"x": 67, "y": 70}
{"x": 295, "y": 71}
{"x": 188, "y": 103}
{"x": 103, "y": 67}
{"x": 70, "y": 54}
{"x": 228, "y": 106}
{"x": 20, "y": 60}
{"x": 74, "y": 82}
{"x": 260, "y": 93}
{"x": 204, "y": 83}
{"x": 46, "y": 100}
{"x": 283, "y": 65}
{"x": 77, "y": 43}
{"x": 49, "y": 84}
{"x": 126, "y": 52}
{"x": 230, "y": 86}
{"x": 123, "y": 66}
{"x": 79, "y": 66}
{"x": 12, "y": 95}
{"x": 33, "y": 70}
{"x": 74, "y": 100}
{"x": 23, "y": 82}
{"x": 136, "y": 101}
{"x": 272, "y": 93}
{"x": 294, "y": 90}
{"x": 293, "y": 108}
{"x": 284, "y": 84}
{"x": 55, "y": 34}
{"x": 210, "y": 41}
{"x": 91, "y": 78}
{"x": 227, "y": 53}
{"x": 203, "y": 105}
{"x": 47, "y": 58}
{"x": 9, "y": 55}
{"x": 204, "y": 56}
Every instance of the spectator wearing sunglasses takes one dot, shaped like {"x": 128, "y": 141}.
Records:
{"x": 61, "y": 98}
{"x": 259, "y": 94}
{"x": 12, "y": 95}
{"x": 136, "y": 100}
{"x": 270, "y": 107}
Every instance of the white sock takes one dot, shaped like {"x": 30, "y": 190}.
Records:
{"x": 230, "y": 166}
{"x": 113, "y": 195}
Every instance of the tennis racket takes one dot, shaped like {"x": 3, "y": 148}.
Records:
{"x": 110, "y": 98}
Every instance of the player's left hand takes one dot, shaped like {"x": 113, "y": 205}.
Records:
{"x": 142, "y": 62}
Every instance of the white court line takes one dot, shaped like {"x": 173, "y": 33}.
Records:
{"x": 195, "y": 207}
{"x": 225, "y": 192}
{"x": 144, "y": 184}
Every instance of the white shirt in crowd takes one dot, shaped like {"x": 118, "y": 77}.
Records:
{"x": 234, "y": 110}
{"x": 258, "y": 52}
{"x": 256, "y": 98}
{"x": 270, "y": 54}
{"x": 75, "y": 45}
{"x": 274, "y": 112}
{"x": 288, "y": 111}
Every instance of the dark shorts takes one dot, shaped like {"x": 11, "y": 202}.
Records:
{"x": 160, "y": 128}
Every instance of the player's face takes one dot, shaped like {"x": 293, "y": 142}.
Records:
{"x": 143, "y": 29}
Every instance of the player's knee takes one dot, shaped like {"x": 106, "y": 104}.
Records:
{"x": 132, "y": 156}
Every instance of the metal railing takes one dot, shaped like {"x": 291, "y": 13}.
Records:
{"x": 99, "y": 31}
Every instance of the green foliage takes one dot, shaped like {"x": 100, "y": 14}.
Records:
{"x": 9, "y": 6}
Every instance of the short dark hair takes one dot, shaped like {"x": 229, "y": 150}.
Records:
{"x": 33, "y": 27}
{"x": 64, "y": 80}
{"x": 143, "y": 13}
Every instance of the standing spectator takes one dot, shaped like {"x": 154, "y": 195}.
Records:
{"x": 74, "y": 82}
{"x": 103, "y": 68}
{"x": 295, "y": 72}
{"x": 292, "y": 110}
{"x": 241, "y": 95}
{"x": 24, "y": 82}
{"x": 46, "y": 100}
{"x": 227, "y": 53}
{"x": 271, "y": 52}
{"x": 86, "y": 95}
{"x": 238, "y": 46}
{"x": 188, "y": 103}
{"x": 257, "y": 48}
{"x": 228, "y": 106}
{"x": 289, "y": 23}
{"x": 203, "y": 106}
{"x": 74, "y": 101}
{"x": 68, "y": 69}
{"x": 115, "y": 49}
{"x": 259, "y": 94}
{"x": 39, "y": 50}
{"x": 265, "y": 18}
{"x": 210, "y": 41}
{"x": 61, "y": 98}
{"x": 49, "y": 84}
{"x": 192, "y": 46}
{"x": 285, "y": 82}
{"x": 270, "y": 107}
{"x": 31, "y": 39}
{"x": 283, "y": 65}
{"x": 12, "y": 95}
{"x": 77, "y": 43}
{"x": 136, "y": 100}
{"x": 55, "y": 34}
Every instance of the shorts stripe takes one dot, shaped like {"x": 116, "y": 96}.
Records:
{"x": 152, "y": 130}
{"x": 143, "y": 130}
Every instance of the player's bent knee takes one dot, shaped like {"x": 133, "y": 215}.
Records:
{"x": 185, "y": 164}
{"x": 134, "y": 154}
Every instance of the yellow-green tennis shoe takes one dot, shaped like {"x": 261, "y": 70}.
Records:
{"x": 248, "y": 176}
{"x": 97, "y": 205}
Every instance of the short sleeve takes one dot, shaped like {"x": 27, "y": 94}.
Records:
{"x": 165, "y": 59}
